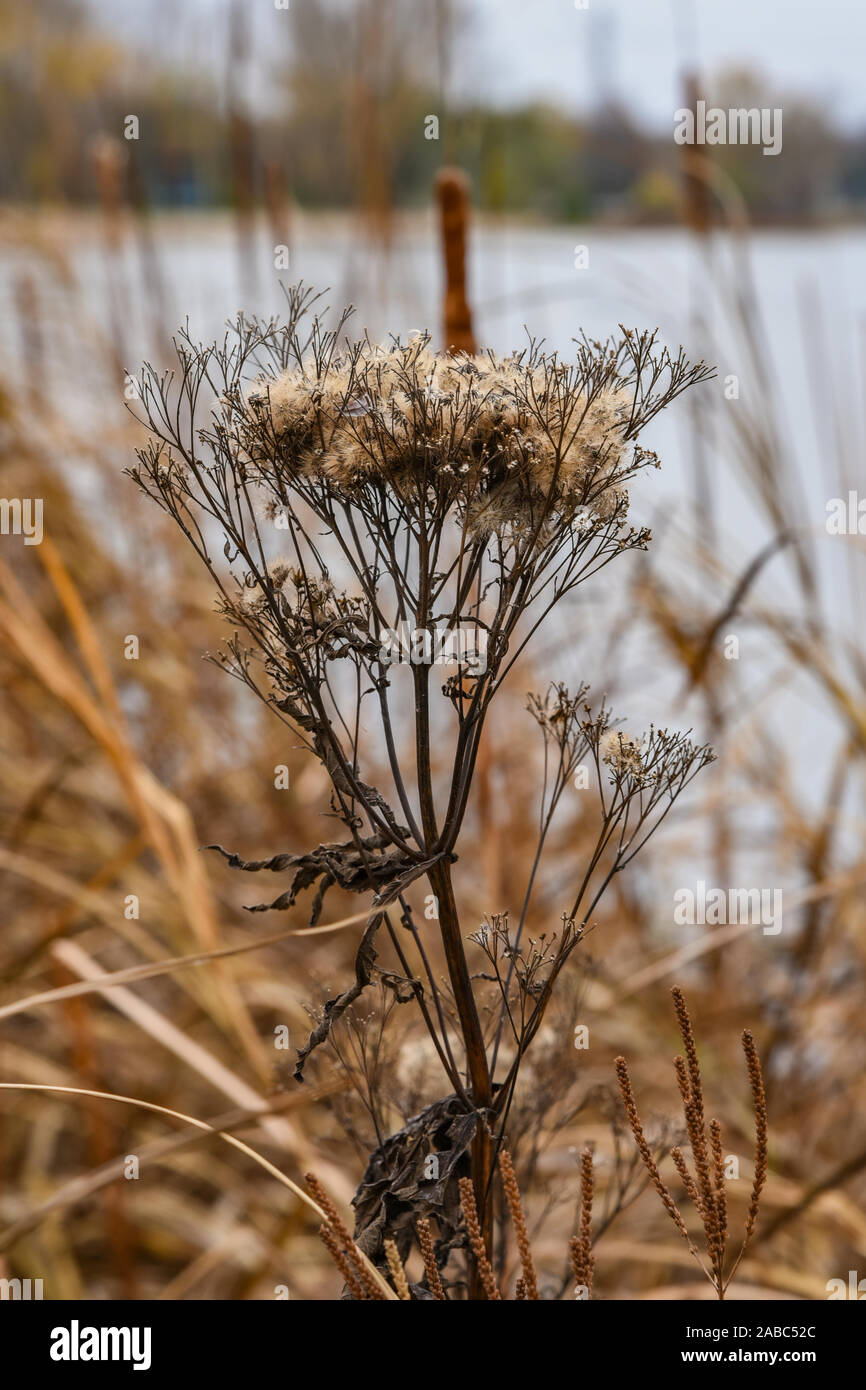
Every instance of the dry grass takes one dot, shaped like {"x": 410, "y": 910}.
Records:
{"x": 127, "y": 1035}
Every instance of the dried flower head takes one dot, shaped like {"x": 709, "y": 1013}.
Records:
{"x": 622, "y": 752}
{"x": 340, "y": 492}
{"x": 508, "y": 443}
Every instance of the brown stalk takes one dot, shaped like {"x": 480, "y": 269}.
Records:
{"x": 336, "y": 1223}
{"x": 398, "y": 1273}
{"x": 331, "y": 1240}
{"x": 512, "y": 1196}
{"x": 476, "y": 1240}
{"x": 425, "y": 1241}
{"x": 687, "y": 1179}
{"x": 645, "y": 1151}
{"x": 580, "y": 1246}
{"x": 753, "y": 1066}
{"x": 694, "y": 1108}
{"x": 708, "y": 1193}
{"x": 719, "y": 1165}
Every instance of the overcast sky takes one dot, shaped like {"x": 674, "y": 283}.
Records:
{"x": 551, "y": 48}
{"x": 525, "y": 49}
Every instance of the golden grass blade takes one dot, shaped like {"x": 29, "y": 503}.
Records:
{"x": 165, "y": 821}
{"x": 202, "y": 1125}
{"x": 163, "y": 1031}
{"x": 69, "y": 888}
{"x": 156, "y": 1151}
{"x": 86, "y": 899}
{"x": 163, "y": 967}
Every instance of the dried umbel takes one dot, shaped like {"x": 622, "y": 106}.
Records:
{"x": 706, "y": 1187}
{"x": 339, "y": 492}
{"x": 509, "y": 445}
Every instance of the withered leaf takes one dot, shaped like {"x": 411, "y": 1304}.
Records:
{"x": 396, "y": 1190}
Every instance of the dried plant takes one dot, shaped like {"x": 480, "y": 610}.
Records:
{"x": 518, "y": 1220}
{"x": 706, "y": 1187}
{"x": 461, "y": 499}
{"x": 76, "y": 835}
{"x": 341, "y": 1245}
{"x": 398, "y": 1273}
{"x": 580, "y": 1246}
{"x": 359, "y": 1284}
{"x": 431, "y": 1269}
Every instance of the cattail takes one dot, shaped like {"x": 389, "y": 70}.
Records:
{"x": 278, "y": 203}
{"x": 452, "y": 191}
{"x": 512, "y": 1196}
{"x": 346, "y": 1240}
{"x": 476, "y": 1240}
{"x": 753, "y": 1066}
{"x": 398, "y": 1273}
{"x": 338, "y": 1255}
{"x": 695, "y": 166}
{"x": 425, "y": 1242}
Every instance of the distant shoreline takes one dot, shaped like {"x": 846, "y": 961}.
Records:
{"x": 403, "y": 220}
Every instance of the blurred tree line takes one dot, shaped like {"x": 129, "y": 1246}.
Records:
{"x": 352, "y": 88}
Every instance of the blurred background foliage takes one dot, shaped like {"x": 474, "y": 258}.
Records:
{"x": 347, "y": 91}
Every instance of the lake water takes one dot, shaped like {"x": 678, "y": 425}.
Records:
{"x": 807, "y": 291}
{"x": 810, "y": 290}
